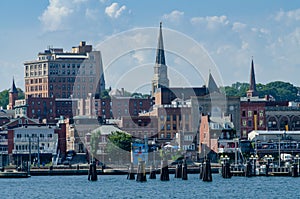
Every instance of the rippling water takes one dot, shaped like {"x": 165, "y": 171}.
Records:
{"x": 120, "y": 187}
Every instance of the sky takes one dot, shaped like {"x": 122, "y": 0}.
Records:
{"x": 214, "y": 36}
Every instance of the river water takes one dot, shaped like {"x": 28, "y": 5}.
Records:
{"x": 117, "y": 186}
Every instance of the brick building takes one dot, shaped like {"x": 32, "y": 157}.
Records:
{"x": 61, "y": 74}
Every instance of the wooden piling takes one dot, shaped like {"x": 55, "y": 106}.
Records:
{"x": 184, "y": 171}
{"x": 294, "y": 170}
{"x": 152, "y": 172}
{"x": 226, "y": 173}
{"x": 248, "y": 169}
{"x": 92, "y": 174}
{"x": 207, "y": 175}
{"x": 141, "y": 172}
{"x": 164, "y": 171}
{"x": 178, "y": 170}
{"x": 130, "y": 175}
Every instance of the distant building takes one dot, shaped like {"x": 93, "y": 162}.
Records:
{"x": 211, "y": 129}
{"x": 140, "y": 126}
{"x": 62, "y": 74}
{"x": 39, "y": 140}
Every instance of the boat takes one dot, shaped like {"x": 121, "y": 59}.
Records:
{"x": 14, "y": 174}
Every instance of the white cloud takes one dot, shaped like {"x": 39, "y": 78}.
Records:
{"x": 52, "y": 17}
{"x": 210, "y": 21}
{"x": 139, "y": 56}
{"x": 175, "y": 16}
{"x": 292, "y": 15}
{"x": 237, "y": 26}
{"x": 91, "y": 13}
{"x": 114, "y": 10}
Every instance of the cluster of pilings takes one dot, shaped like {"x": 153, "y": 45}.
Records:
{"x": 205, "y": 171}
{"x": 92, "y": 173}
{"x": 226, "y": 170}
{"x": 181, "y": 171}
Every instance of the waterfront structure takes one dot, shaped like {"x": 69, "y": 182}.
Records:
{"x": 160, "y": 78}
{"x": 275, "y": 142}
{"x": 41, "y": 141}
{"x": 62, "y": 74}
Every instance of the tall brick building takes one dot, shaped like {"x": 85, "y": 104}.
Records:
{"x": 61, "y": 74}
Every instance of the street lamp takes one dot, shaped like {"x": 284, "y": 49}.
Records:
{"x": 253, "y": 160}
{"x": 297, "y": 158}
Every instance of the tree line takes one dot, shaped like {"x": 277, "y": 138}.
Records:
{"x": 280, "y": 91}
{"x": 4, "y": 97}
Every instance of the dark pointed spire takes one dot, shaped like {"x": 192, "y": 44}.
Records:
{"x": 252, "y": 92}
{"x": 160, "y": 53}
{"x": 13, "y": 88}
{"x": 212, "y": 85}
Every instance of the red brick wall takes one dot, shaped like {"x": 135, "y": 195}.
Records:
{"x": 10, "y": 137}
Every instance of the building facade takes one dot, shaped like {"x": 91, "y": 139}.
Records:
{"x": 61, "y": 74}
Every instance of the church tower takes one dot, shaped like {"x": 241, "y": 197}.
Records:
{"x": 13, "y": 96}
{"x": 252, "y": 92}
{"x": 160, "y": 78}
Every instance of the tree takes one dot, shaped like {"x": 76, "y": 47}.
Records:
{"x": 281, "y": 91}
{"x": 119, "y": 146}
{"x": 4, "y": 98}
{"x": 94, "y": 143}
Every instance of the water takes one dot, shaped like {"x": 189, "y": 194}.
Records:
{"x": 120, "y": 187}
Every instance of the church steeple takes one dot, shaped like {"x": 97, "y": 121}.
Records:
{"x": 160, "y": 53}
{"x": 13, "y": 96}
{"x": 13, "y": 87}
{"x": 252, "y": 92}
{"x": 160, "y": 78}
{"x": 212, "y": 85}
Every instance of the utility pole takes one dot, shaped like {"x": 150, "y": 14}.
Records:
{"x": 38, "y": 144}
{"x": 29, "y": 162}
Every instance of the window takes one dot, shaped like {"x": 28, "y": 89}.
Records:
{"x": 174, "y": 117}
{"x": 244, "y": 113}
{"x": 244, "y": 133}
{"x": 249, "y": 113}
{"x": 249, "y": 123}
{"x": 244, "y": 123}
{"x": 174, "y": 127}
{"x": 261, "y": 122}
{"x": 261, "y": 113}
{"x": 168, "y": 127}
{"x": 168, "y": 117}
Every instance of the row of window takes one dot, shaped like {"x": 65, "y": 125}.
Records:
{"x": 250, "y": 113}
{"x": 174, "y": 117}
{"x": 34, "y": 135}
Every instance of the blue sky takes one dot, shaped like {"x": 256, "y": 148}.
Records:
{"x": 230, "y": 32}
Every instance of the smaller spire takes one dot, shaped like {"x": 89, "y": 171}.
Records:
{"x": 252, "y": 92}
{"x": 13, "y": 87}
{"x": 212, "y": 85}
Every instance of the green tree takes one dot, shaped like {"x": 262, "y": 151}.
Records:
{"x": 4, "y": 98}
{"x": 105, "y": 94}
{"x": 119, "y": 146}
{"x": 94, "y": 143}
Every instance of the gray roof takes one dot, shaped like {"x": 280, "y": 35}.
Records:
{"x": 107, "y": 129}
